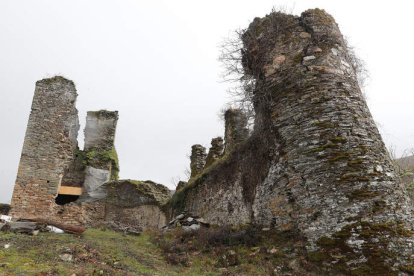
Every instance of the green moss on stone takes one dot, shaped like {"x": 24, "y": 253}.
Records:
{"x": 104, "y": 114}
{"x": 318, "y": 256}
{"x": 322, "y": 148}
{"x": 376, "y": 236}
{"x": 102, "y": 158}
{"x": 408, "y": 269}
{"x": 325, "y": 124}
{"x": 55, "y": 79}
{"x": 364, "y": 193}
{"x": 127, "y": 192}
{"x": 339, "y": 140}
{"x": 339, "y": 156}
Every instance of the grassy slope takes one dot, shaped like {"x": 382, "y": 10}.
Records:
{"x": 99, "y": 252}
{"x": 94, "y": 252}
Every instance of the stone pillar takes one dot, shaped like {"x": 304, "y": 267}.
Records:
{"x": 180, "y": 185}
{"x": 236, "y": 130}
{"x": 198, "y": 159}
{"x": 100, "y": 129}
{"x": 48, "y": 149}
{"x": 101, "y": 156}
{"x": 215, "y": 151}
{"x": 331, "y": 177}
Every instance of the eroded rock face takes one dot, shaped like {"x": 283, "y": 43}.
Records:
{"x": 315, "y": 162}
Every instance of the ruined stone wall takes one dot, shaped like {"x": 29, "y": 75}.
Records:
{"x": 315, "y": 163}
{"x": 100, "y": 154}
{"x": 51, "y": 159}
{"x": 74, "y": 175}
{"x": 137, "y": 204}
{"x": 100, "y": 129}
{"x": 215, "y": 152}
{"x": 198, "y": 159}
{"x": 235, "y": 129}
{"x": 49, "y": 146}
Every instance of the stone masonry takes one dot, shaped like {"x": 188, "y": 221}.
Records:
{"x": 198, "y": 159}
{"x": 235, "y": 129}
{"x": 315, "y": 163}
{"x": 49, "y": 147}
{"x": 100, "y": 154}
{"x": 58, "y": 182}
{"x": 215, "y": 152}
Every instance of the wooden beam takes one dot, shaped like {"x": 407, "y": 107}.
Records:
{"x": 66, "y": 190}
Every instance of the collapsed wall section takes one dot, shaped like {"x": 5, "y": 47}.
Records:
{"x": 136, "y": 204}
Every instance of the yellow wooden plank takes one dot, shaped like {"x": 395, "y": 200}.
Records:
{"x": 66, "y": 190}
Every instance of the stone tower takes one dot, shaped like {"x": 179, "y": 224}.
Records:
{"x": 197, "y": 159}
{"x": 55, "y": 179}
{"x": 215, "y": 152}
{"x": 62, "y": 185}
{"x": 315, "y": 163}
{"x": 235, "y": 129}
{"x": 102, "y": 160}
{"x": 49, "y": 147}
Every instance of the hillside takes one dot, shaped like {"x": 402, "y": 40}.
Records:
{"x": 208, "y": 252}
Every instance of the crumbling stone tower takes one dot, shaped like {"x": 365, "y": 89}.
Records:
{"x": 197, "y": 159}
{"x": 49, "y": 147}
{"x": 53, "y": 172}
{"x": 315, "y": 163}
{"x": 59, "y": 183}
{"x": 215, "y": 152}
{"x": 100, "y": 155}
{"x": 235, "y": 129}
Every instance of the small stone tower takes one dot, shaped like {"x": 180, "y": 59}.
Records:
{"x": 215, "y": 151}
{"x": 235, "y": 128}
{"x": 101, "y": 156}
{"x": 198, "y": 159}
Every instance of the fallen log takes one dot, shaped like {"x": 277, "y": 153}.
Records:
{"x": 71, "y": 229}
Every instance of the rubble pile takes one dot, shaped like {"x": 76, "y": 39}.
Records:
{"x": 127, "y": 229}
{"x": 187, "y": 222}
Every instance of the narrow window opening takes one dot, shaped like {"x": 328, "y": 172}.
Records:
{"x": 65, "y": 199}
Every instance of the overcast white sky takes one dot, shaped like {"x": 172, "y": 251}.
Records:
{"x": 156, "y": 63}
